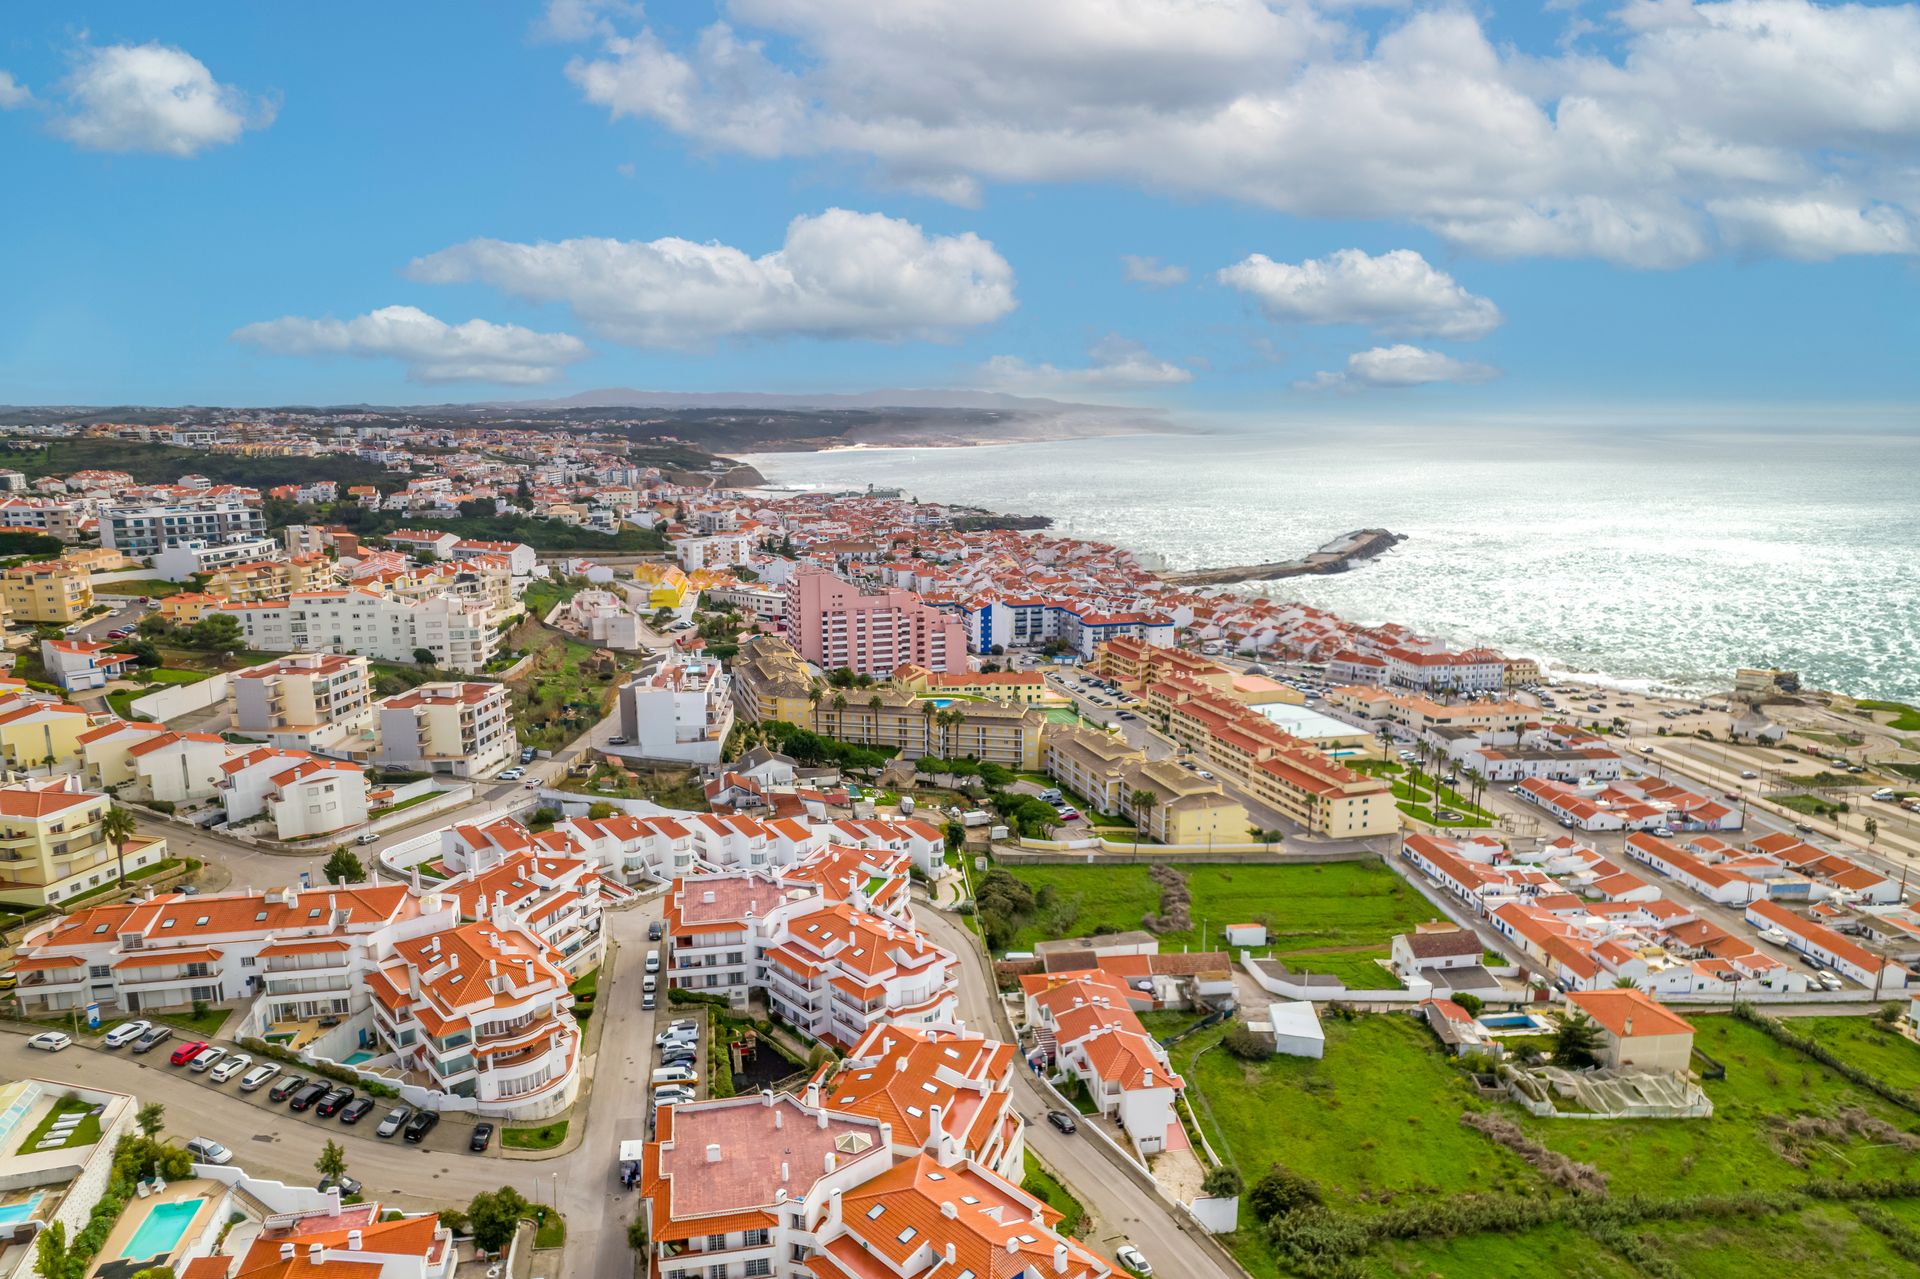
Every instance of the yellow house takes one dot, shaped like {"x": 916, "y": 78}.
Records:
{"x": 188, "y": 607}
{"x": 33, "y": 732}
{"x": 48, "y": 592}
{"x": 95, "y": 559}
{"x": 249, "y": 583}
{"x": 1026, "y": 687}
{"x": 770, "y": 682}
{"x": 51, "y": 848}
{"x": 666, "y": 584}
{"x": 106, "y": 751}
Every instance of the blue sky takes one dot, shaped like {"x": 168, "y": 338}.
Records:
{"x": 1542, "y": 209}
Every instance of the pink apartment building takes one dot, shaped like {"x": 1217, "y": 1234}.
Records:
{"x": 833, "y": 623}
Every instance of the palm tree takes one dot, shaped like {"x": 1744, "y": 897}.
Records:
{"x": 813, "y": 699}
{"x": 117, "y": 827}
{"x": 1625, "y": 983}
{"x": 927, "y": 711}
{"x": 1142, "y": 802}
{"x": 839, "y": 714}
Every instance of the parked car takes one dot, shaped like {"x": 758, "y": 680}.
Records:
{"x": 348, "y": 1185}
{"x": 1063, "y": 1121}
{"x": 1132, "y": 1258}
{"x": 480, "y": 1138}
{"x": 653, "y": 961}
{"x": 1748, "y": 773}
{"x": 308, "y": 1095}
{"x": 331, "y": 1104}
{"x": 259, "y": 1075}
{"x": 237, "y": 1064}
{"x": 672, "y": 1096}
{"x": 646, "y": 1001}
{"x": 676, "y": 1034}
{"x": 125, "y": 1033}
{"x": 367, "y": 837}
{"x": 206, "y": 1058}
{"x": 1830, "y": 980}
{"x": 181, "y": 1055}
{"x": 51, "y": 1041}
{"x": 1663, "y": 832}
{"x": 420, "y": 1125}
{"x": 513, "y": 774}
{"x": 287, "y": 1087}
{"x": 205, "y": 1150}
{"x": 656, "y": 930}
{"x": 649, "y": 982}
{"x": 393, "y": 1122}
{"x": 526, "y": 754}
{"x": 616, "y": 740}
{"x": 356, "y": 1110}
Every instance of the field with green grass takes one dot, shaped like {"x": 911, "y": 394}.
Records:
{"x": 1038, "y": 1181}
{"x": 1906, "y": 719}
{"x": 1869, "y": 1043}
{"x": 85, "y": 1133}
{"x": 152, "y": 587}
{"x": 1375, "y": 1124}
{"x": 1331, "y": 917}
{"x": 562, "y": 694}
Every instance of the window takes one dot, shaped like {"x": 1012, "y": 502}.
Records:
{"x": 755, "y": 1239}
{"x": 758, "y": 1267}
{"x": 716, "y": 1242}
{"x": 799, "y": 1252}
{"x": 717, "y": 1272}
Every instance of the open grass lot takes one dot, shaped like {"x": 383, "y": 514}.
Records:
{"x": 1376, "y": 1121}
{"x": 1879, "y": 1049}
{"x": 1329, "y": 917}
{"x": 1906, "y": 719}
{"x": 563, "y": 693}
{"x": 151, "y": 587}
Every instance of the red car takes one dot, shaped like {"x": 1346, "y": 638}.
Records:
{"x": 187, "y": 1052}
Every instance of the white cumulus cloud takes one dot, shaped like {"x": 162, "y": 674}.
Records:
{"x": 1813, "y": 229}
{"x": 1117, "y": 363}
{"x": 432, "y": 350}
{"x": 12, "y": 92}
{"x": 1399, "y": 293}
{"x": 1632, "y": 155}
{"x": 837, "y": 275}
{"x": 153, "y": 97}
{"x": 1399, "y": 365}
{"x": 1152, "y": 272}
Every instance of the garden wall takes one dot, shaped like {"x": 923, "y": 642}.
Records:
{"x": 181, "y": 699}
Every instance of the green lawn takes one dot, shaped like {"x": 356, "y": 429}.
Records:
{"x": 1329, "y": 917}
{"x": 206, "y": 1025}
{"x": 558, "y": 699}
{"x": 540, "y": 1137}
{"x": 153, "y": 587}
{"x": 85, "y": 1133}
{"x": 1423, "y": 808}
{"x": 1810, "y": 805}
{"x": 1906, "y": 719}
{"x": 421, "y": 798}
{"x": 1377, "y": 1120}
{"x": 1873, "y": 1046}
{"x": 550, "y": 1228}
{"x": 1039, "y": 1181}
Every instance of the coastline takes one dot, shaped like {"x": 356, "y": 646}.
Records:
{"x": 1028, "y": 476}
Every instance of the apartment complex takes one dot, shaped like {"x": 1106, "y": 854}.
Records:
{"x": 183, "y": 560}
{"x": 913, "y": 1077}
{"x": 479, "y": 1010}
{"x": 458, "y": 633}
{"x": 1304, "y": 784}
{"x": 997, "y": 732}
{"x": 771, "y": 682}
{"x": 678, "y": 708}
{"x": 999, "y": 686}
{"x": 296, "y": 948}
{"x": 1117, "y": 779}
{"x": 144, "y": 530}
{"x": 833, "y": 624}
{"x": 457, "y": 728}
{"x": 51, "y": 846}
{"x": 46, "y": 592}
{"x": 305, "y": 700}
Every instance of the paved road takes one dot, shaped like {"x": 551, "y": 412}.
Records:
{"x": 1123, "y": 1211}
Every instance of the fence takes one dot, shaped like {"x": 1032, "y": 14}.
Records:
{"x": 181, "y": 699}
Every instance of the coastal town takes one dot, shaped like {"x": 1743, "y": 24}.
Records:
{"x": 447, "y": 847}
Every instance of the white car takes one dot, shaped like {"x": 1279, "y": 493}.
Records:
{"x": 206, "y": 1059}
{"x": 205, "y": 1150}
{"x": 51, "y": 1041}
{"x": 1828, "y": 981}
{"x": 513, "y": 774}
{"x": 1133, "y": 1259}
{"x": 125, "y": 1033}
{"x": 239, "y": 1063}
{"x": 672, "y": 1096}
{"x": 259, "y": 1075}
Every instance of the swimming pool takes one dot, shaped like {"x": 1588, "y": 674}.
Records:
{"x": 357, "y": 1058}
{"x": 1509, "y": 1021}
{"x": 11, "y": 1214}
{"x": 160, "y": 1233}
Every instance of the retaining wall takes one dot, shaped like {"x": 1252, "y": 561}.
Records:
{"x": 181, "y": 699}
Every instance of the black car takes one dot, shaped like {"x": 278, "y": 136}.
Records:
{"x": 355, "y": 1110}
{"x": 348, "y": 1185}
{"x": 526, "y": 754}
{"x": 654, "y": 930}
{"x": 304, "y": 1099}
{"x": 1062, "y": 1120}
{"x": 331, "y": 1104}
{"x": 481, "y": 1139}
{"x": 288, "y": 1085}
{"x": 420, "y": 1125}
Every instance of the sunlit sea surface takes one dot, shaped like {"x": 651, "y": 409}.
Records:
{"x": 1660, "y": 558}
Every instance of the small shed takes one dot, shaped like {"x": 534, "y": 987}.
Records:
{"x": 1295, "y": 1028}
{"x": 1241, "y": 936}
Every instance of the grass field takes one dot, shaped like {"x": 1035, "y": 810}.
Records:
{"x": 85, "y": 1133}
{"x": 1040, "y": 1182}
{"x": 1906, "y": 719}
{"x": 1330, "y": 917}
{"x": 152, "y": 587}
{"x": 535, "y": 1137}
{"x": 1810, "y": 805}
{"x": 1376, "y": 1120}
{"x": 559, "y": 697}
{"x": 1873, "y": 1046}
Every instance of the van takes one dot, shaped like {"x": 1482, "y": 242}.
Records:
{"x": 649, "y": 983}
{"x": 674, "y": 1075}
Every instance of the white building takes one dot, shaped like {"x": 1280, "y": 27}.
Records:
{"x": 679, "y": 708}
{"x": 303, "y": 795}
{"x": 144, "y": 530}
{"x": 459, "y": 634}
{"x": 182, "y": 560}
{"x": 456, "y": 728}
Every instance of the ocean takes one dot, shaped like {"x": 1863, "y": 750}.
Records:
{"x": 1656, "y": 558}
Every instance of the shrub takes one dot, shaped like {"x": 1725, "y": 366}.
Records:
{"x": 1246, "y": 1045}
{"x": 1223, "y": 1183}
{"x": 1281, "y": 1192}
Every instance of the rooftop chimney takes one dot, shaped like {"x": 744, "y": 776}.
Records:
{"x": 315, "y": 1254}
{"x": 333, "y": 1201}
{"x": 831, "y": 1161}
{"x": 286, "y": 1252}
{"x": 1059, "y": 1258}
{"x": 354, "y": 1239}
{"x": 783, "y": 1171}
{"x": 713, "y": 1152}
{"x": 953, "y": 1253}
{"x": 947, "y": 1209}
{"x": 820, "y": 1119}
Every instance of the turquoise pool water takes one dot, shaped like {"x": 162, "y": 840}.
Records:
{"x": 12, "y": 1213}
{"x": 357, "y": 1058}
{"x": 160, "y": 1232}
